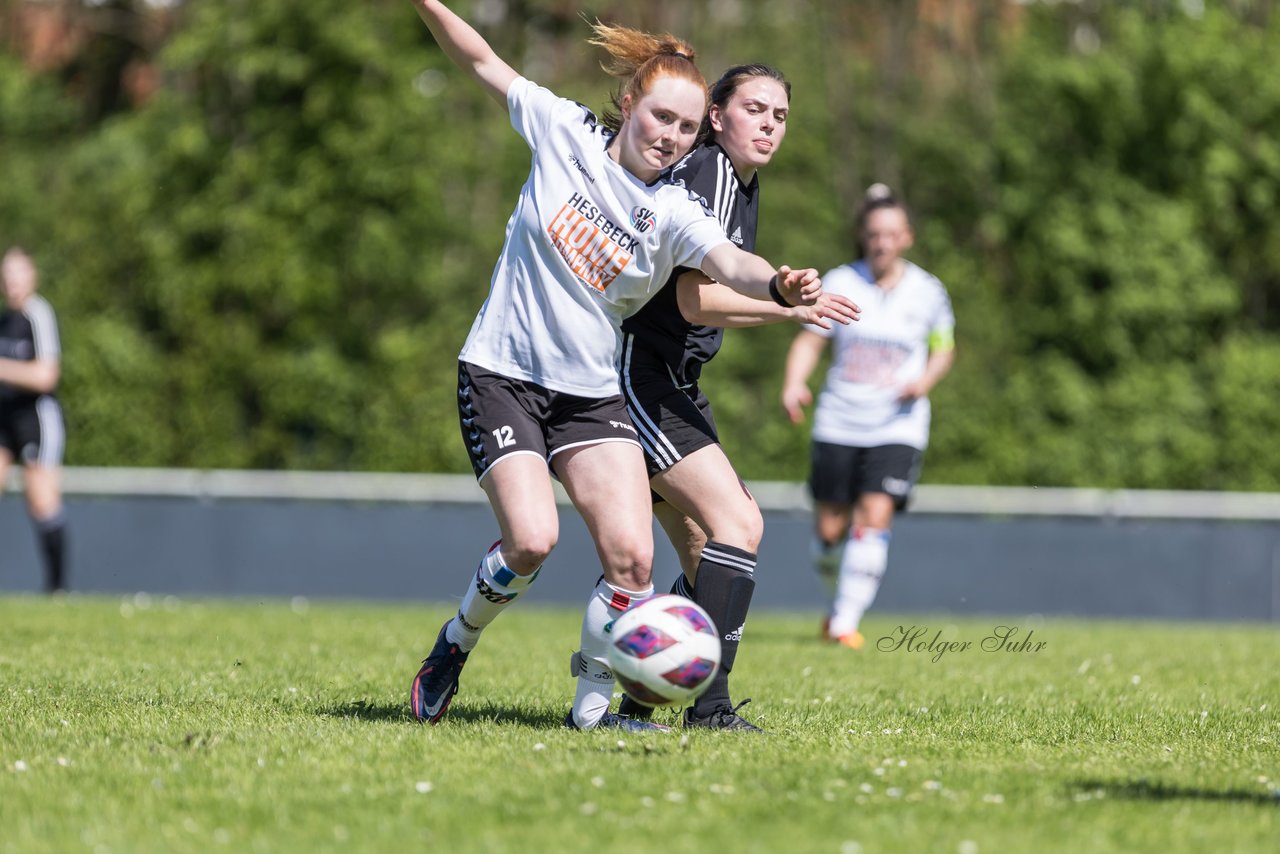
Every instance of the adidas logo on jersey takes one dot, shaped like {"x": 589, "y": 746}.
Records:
{"x": 736, "y": 237}
{"x": 736, "y": 634}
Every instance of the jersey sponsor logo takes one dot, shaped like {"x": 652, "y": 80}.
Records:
{"x": 873, "y": 361}
{"x": 643, "y": 219}
{"x": 577, "y": 164}
{"x": 595, "y": 248}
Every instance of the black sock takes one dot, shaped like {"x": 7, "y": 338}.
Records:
{"x": 726, "y": 580}
{"x": 682, "y": 587}
{"x": 51, "y": 533}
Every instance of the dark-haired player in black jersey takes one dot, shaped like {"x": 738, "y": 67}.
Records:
{"x": 31, "y": 429}
{"x": 702, "y": 504}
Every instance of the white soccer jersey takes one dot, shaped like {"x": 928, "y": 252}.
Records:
{"x": 876, "y": 356}
{"x": 587, "y": 245}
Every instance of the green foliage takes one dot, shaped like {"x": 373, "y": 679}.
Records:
{"x": 1124, "y": 239}
{"x": 274, "y": 261}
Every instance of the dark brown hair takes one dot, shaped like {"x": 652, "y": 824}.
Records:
{"x": 722, "y": 90}
{"x": 877, "y": 197}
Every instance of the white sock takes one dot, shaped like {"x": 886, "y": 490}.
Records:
{"x": 595, "y": 679}
{"x": 492, "y": 589}
{"x": 861, "y": 568}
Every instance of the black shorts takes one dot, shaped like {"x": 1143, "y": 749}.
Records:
{"x": 840, "y": 473}
{"x": 501, "y": 416}
{"x": 672, "y": 421}
{"x": 33, "y": 431}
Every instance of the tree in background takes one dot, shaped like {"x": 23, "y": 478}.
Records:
{"x": 268, "y": 224}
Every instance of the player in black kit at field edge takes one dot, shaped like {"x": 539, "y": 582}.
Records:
{"x": 31, "y": 427}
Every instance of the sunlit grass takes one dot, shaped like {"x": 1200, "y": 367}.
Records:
{"x": 159, "y": 725}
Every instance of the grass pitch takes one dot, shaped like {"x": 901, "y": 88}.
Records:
{"x": 162, "y": 725}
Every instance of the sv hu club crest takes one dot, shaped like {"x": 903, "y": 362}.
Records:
{"x": 643, "y": 219}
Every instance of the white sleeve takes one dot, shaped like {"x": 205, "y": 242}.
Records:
{"x": 44, "y": 329}
{"x": 534, "y": 110}
{"x": 695, "y": 232}
{"x": 944, "y": 319}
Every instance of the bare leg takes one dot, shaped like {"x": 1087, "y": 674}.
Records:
{"x": 706, "y": 488}
{"x": 44, "y": 504}
{"x": 607, "y": 483}
{"x": 862, "y": 566}
{"x": 524, "y": 503}
{"x": 519, "y": 490}
{"x": 686, "y": 537}
{"x": 520, "y": 493}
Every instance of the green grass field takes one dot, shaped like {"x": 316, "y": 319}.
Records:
{"x": 163, "y": 725}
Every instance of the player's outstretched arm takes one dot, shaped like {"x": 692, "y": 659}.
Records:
{"x": 802, "y": 358}
{"x": 709, "y": 303}
{"x": 752, "y": 275}
{"x": 467, "y": 49}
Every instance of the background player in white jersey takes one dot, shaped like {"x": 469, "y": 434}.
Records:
{"x": 872, "y": 421}
{"x": 593, "y": 235}
{"x": 31, "y": 427}
{"x": 706, "y": 510}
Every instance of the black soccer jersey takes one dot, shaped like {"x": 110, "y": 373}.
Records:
{"x": 659, "y": 326}
{"x": 27, "y": 335}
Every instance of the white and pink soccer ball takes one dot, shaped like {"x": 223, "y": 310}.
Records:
{"x": 664, "y": 650}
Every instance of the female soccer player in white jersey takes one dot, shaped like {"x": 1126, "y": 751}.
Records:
{"x": 871, "y": 426}
{"x": 710, "y": 517}
{"x": 31, "y": 428}
{"x": 593, "y": 235}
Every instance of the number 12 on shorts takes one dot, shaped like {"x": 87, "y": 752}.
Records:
{"x": 505, "y": 436}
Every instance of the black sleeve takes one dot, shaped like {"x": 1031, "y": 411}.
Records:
{"x": 710, "y": 175}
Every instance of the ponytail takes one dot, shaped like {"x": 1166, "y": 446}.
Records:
{"x": 638, "y": 59}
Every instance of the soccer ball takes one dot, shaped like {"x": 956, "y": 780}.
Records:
{"x": 664, "y": 650}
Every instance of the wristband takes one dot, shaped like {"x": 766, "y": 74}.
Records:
{"x": 776, "y": 295}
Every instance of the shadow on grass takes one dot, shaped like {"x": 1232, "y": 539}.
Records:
{"x": 368, "y": 711}
{"x": 1145, "y": 790}
{"x": 488, "y": 713}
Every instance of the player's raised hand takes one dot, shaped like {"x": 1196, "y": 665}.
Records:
{"x": 828, "y": 307}
{"x": 799, "y": 287}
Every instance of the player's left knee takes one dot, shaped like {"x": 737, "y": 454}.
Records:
{"x": 744, "y": 532}
{"x": 631, "y": 565}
